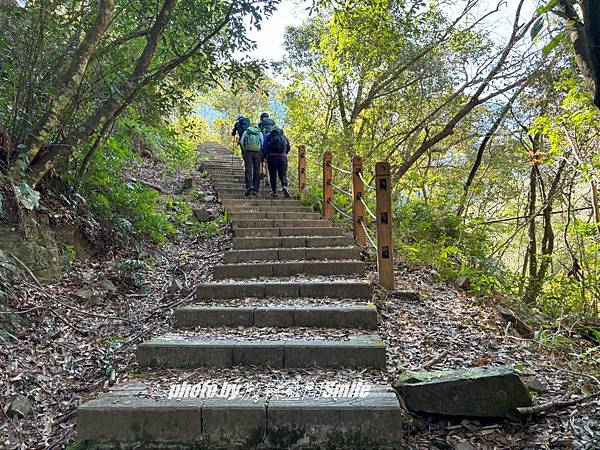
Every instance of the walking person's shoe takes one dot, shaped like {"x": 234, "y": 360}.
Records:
{"x": 248, "y": 192}
{"x": 254, "y": 192}
{"x": 273, "y": 193}
{"x": 286, "y": 193}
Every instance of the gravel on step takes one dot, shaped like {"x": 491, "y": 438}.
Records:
{"x": 297, "y": 278}
{"x": 257, "y": 383}
{"x": 273, "y": 301}
{"x": 268, "y": 334}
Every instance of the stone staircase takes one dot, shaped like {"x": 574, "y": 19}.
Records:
{"x": 291, "y": 284}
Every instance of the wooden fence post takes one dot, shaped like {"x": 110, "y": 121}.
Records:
{"x": 301, "y": 172}
{"x": 327, "y": 186}
{"x": 358, "y": 208}
{"x": 385, "y": 248}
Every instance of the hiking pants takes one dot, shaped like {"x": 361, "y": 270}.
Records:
{"x": 278, "y": 165}
{"x": 252, "y": 169}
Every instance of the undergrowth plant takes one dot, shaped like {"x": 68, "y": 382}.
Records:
{"x": 135, "y": 209}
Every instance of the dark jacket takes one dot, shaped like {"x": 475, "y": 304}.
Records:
{"x": 271, "y": 145}
{"x": 237, "y": 129}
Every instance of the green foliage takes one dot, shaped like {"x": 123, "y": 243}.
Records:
{"x": 162, "y": 143}
{"x": 428, "y": 234}
{"x": 69, "y": 255}
{"x": 212, "y": 228}
{"x": 132, "y": 207}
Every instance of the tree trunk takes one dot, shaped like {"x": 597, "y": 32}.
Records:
{"x": 585, "y": 38}
{"x": 536, "y": 282}
{"x": 66, "y": 85}
{"x": 595, "y": 204}
{"x": 591, "y": 19}
{"x": 42, "y": 163}
{"x": 481, "y": 149}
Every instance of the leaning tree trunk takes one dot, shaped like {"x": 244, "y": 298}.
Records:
{"x": 106, "y": 111}
{"x": 66, "y": 85}
{"x": 585, "y": 38}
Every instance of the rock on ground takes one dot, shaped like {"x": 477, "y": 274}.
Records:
{"x": 476, "y": 392}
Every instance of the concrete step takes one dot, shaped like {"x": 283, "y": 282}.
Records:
{"x": 280, "y": 223}
{"x": 263, "y": 202}
{"x": 245, "y": 243}
{"x": 368, "y": 417}
{"x": 253, "y": 209}
{"x": 171, "y": 351}
{"x": 278, "y": 316}
{"x": 262, "y": 195}
{"x": 224, "y": 174}
{"x": 224, "y": 166}
{"x": 292, "y": 254}
{"x": 238, "y": 180}
{"x": 290, "y": 289}
{"x": 291, "y": 215}
{"x": 216, "y": 167}
{"x": 304, "y": 231}
{"x": 286, "y": 269}
{"x": 218, "y": 185}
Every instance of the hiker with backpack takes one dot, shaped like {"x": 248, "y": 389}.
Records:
{"x": 251, "y": 143}
{"x": 239, "y": 127}
{"x": 266, "y": 124}
{"x": 276, "y": 146}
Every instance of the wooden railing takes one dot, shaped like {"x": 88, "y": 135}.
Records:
{"x": 361, "y": 214}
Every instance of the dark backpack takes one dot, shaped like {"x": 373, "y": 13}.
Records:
{"x": 277, "y": 142}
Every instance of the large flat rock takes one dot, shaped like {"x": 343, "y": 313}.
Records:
{"x": 476, "y": 392}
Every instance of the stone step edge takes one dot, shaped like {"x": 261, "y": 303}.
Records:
{"x": 241, "y": 241}
{"x": 364, "y": 317}
{"x": 277, "y": 254}
{"x": 287, "y": 268}
{"x": 240, "y": 232}
{"x": 361, "y": 351}
{"x": 283, "y": 289}
{"x": 269, "y": 423}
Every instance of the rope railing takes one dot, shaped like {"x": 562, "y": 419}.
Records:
{"x": 341, "y": 190}
{"x": 367, "y": 234}
{"x": 373, "y": 216}
{"x": 342, "y": 213}
{"x": 365, "y": 183}
{"x": 382, "y": 217}
{"x": 339, "y": 169}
